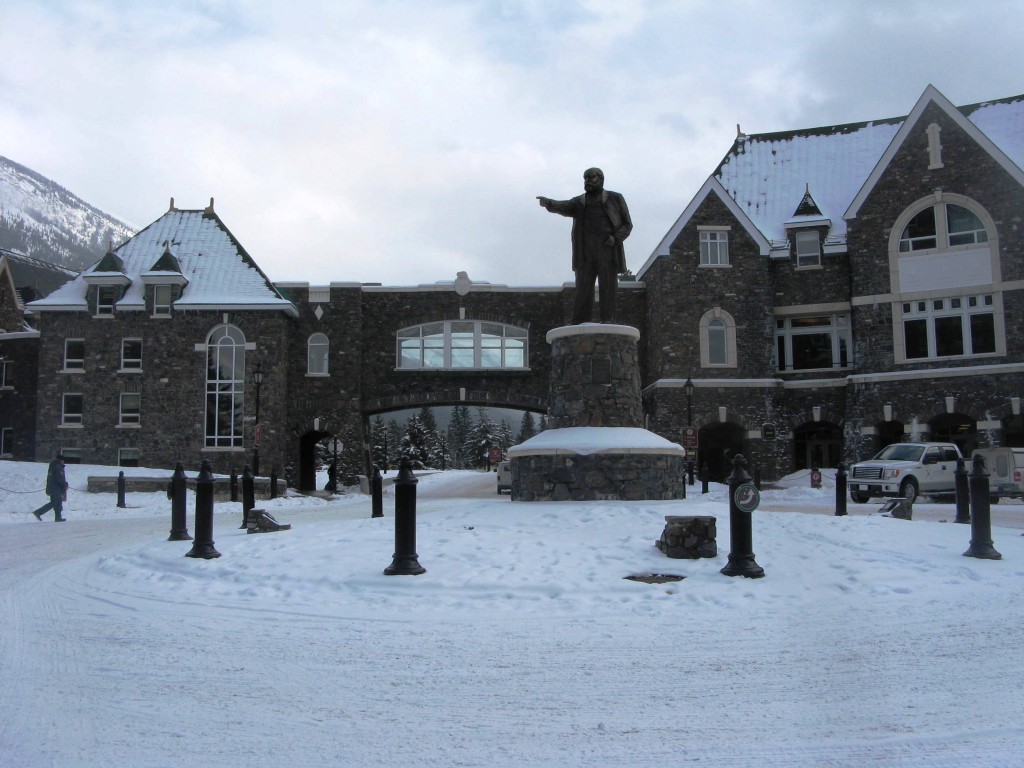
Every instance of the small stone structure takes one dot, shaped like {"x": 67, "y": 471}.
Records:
{"x": 596, "y": 447}
{"x": 689, "y": 537}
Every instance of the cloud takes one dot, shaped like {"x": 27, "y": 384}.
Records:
{"x": 400, "y": 142}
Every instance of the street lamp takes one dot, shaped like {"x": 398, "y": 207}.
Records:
{"x": 688, "y": 389}
{"x": 257, "y": 379}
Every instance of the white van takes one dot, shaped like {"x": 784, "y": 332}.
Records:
{"x": 505, "y": 476}
{"x": 1005, "y": 467}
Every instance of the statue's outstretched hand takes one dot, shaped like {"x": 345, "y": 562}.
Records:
{"x": 544, "y": 201}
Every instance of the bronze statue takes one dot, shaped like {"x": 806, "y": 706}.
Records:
{"x": 600, "y": 222}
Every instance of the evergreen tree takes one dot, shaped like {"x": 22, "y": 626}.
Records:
{"x": 394, "y": 433}
{"x": 436, "y": 449}
{"x": 458, "y": 433}
{"x": 505, "y": 436}
{"x": 526, "y": 427}
{"x": 482, "y": 436}
{"x": 378, "y": 434}
{"x": 414, "y": 444}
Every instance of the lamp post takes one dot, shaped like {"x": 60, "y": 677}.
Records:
{"x": 688, "y": 389}
{"x": 257, "y": 379}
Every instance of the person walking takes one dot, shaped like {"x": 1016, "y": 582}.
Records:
{"x": 56, "y": 489}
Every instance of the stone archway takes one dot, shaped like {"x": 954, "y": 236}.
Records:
{"x": 889, "y": 432}
{"x": 1013, "y": 432}
{"x": 307, "y": 459}
{"x": 817, "y": 444}
{"x": 956, "y": 428}
{"x": 716, "y": 445}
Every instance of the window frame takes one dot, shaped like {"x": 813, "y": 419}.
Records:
{"x": 225, "y": 395}
{"x": 929, "y": 313}
{"x": 74, "y": 363}
{"x": 942, "y": 235}
{"x": 6, "y": 441}
{"x": 715, "y": 315}
{"x": 161, "y": 309}
{"x": 128, "y": 416}
{"x": 6, "y": 373}
{"x": 719, "y": 238}
{"x": 128, "y": 457}
{"x": 107, "y": 297}
{"x": 131, "y": 364}
{"x": 318, "y": 340}
{"x": 461, "y": 345}
{"x": 808, "y": 260}
{"x": 68, "y": 417}
{"x": 837, "y": 329}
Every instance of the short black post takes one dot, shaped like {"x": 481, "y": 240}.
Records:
{"x": 377, "y": 493}
{"x": 234, "y": 484}
{"x": 690, "y": 466}
{"x": 120, "y": 490}
{"x": 963, "y": 494}
{"x": 704, "y": 478}
{"x": 741, "y": 553}
{"x": 840, "y": 490}
{"x": 981, "y": 518}
{"x": 273, "y": 482}
{"x": 203, "y": 544}
{"x": 248, "y": 495}
{"x": 405, "y": 562}
{"x": 757, "y": 477}
{"x": 177, "y": 491}
{"x": 684, "y": 481}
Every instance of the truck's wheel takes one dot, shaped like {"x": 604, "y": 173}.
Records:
{"x": 859, "y": 498}
{"x": 908, "y": 489}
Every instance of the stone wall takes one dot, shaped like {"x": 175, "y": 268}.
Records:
{"x": 596, "y": 477}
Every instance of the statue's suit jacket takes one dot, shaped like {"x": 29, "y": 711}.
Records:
{"x": 615, "y": 206}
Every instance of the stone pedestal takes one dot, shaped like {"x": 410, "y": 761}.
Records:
{"x": 596, "y": 447}
{"x": 689, "y": 537}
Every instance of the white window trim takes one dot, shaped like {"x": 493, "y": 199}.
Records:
{"x": 133, "y": 369}
{"x": 478, "y": 336}
{"x": 97, "y": 313}
{"x": 929, "y": 315}
{"x": 6, "y": 442}
{"x": 6, "y": 364}
{"x": 76, "y": 368}
{"x": 65, "y": 422}
{"x": 134, "y": 419}
{"x": 326, "y": 372}
{"x": 709, "y": 230}
{"x": 805, "y": 236}
{"x": 839, "y": 328}
{"x": 168, "y": 306}
{"x": 717, "y": 313}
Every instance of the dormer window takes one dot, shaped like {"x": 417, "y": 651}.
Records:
{"x": 162, "y": 300}
{"x": 808, "y": 249}
{"x": 106, "y": 298}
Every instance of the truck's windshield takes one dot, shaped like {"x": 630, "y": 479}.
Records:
{"x": 901, "y": 453}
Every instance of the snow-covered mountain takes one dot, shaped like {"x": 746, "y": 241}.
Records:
{"x": 47, "y": 222}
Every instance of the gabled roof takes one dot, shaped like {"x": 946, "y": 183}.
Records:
{"x": 766, "y": 175}
{"x": 220, "y": 273}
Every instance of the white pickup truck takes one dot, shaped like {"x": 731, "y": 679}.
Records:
{"x": 907, "y": 470}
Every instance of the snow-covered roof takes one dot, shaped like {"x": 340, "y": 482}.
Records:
{"x": 768, "y": 175}
{"x": 220, "y": 274}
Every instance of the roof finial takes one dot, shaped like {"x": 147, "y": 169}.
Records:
{"x": 739, "y": 132}
{"x": 167, "y": 246}
{"x": 209, "y": 208}
{"x": 110, "y": 245}
{"x": 172, "y": 208}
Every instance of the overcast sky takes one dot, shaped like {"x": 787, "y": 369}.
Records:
{"x": 401, "y": 142}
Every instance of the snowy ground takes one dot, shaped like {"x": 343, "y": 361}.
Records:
{"x": 870, "y": 642}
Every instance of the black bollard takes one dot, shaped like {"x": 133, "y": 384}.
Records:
{"x": 405, "y": 562}
{"x": 203, "y": 545}
{"x": 757, "y": 477}
{"x": 273, "y": 482}
{"x": 704, "y": 478}
{"x": 248, "y": 495}
{"x": 120, "y": 490}
{"x": 690, "y": 470}
{"x": 177, "y": 492}
{"x": 841, "y": 490}
{"x": 684, "y": 481}
{"x": 981, "y": 519}
{"x": 743, "y": 500}
{"x": 963, "y": 494}
{"x": 234, "y": 485}
{"x": 377, "y": 493}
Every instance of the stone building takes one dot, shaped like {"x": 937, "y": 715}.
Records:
{"x": 833, "y": 290}
{"x": 826, "y": 292}
{"x": 19, "y": 363}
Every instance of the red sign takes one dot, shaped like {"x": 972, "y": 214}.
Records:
{"x": 494, "y": 454}
{"x": 258, "y": 437}
{"x": 690, "y": 438}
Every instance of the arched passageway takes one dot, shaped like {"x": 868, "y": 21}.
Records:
{"x": 716, "y": 445}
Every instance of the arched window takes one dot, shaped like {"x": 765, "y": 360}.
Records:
{"x": 318, "y": 348}
{"x": 717, "y": 339}
{"x": 462, "y": 344}
{"x": 945, "y": 272}
{"x": 225, "y": 384}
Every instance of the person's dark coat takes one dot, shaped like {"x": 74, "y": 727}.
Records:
{"x": 618, "y": 213}
{"x": 56, "y": 482}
